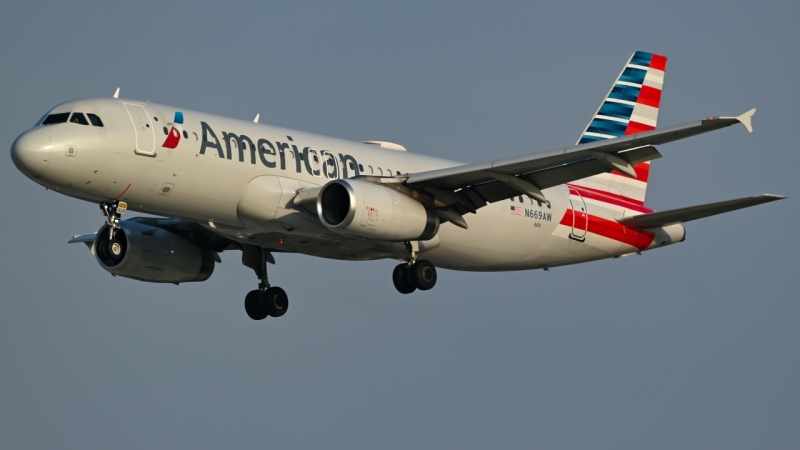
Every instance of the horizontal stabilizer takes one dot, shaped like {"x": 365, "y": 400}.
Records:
{"x": 664, "y": 218}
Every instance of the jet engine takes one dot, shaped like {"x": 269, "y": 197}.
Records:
{"x": 361, "y": 208}
{"x": 148, "y": 253}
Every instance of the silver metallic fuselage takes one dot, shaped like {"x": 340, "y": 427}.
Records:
{"x": 207, "y": 187}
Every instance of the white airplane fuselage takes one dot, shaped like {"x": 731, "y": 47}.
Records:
{"x": 205, "y": 179}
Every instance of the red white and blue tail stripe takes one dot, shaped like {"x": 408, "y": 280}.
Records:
{"x": 630, "y": 107}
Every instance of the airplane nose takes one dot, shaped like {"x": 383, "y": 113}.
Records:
{"x": 31, "y": 151}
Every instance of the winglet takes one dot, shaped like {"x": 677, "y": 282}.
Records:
{"x": 257, "y": 117}
{"x": 747, "y": 119}
{"x": 116, "y": 93}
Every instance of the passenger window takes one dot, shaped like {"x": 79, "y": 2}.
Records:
{"x": 185, "y": 134}
{"x": 56, "y": 118}
{"x": 380, "y": 171}
{"x": 369, "y": 169}
{"x": 389, "y": 172}
{"x": 78, "y": 118}
{"x": 95, "y": 120}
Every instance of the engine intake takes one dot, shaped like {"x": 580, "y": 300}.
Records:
{"x": 361, "y": 208}
{"x": 152, "y": 254}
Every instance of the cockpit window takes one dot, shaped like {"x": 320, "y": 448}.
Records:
{"x": 56, "y": 118}
{"x": 95, "y": 120}
{"x": 78, "y": 118}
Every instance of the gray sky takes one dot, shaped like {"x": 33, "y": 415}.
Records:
{"x": 693, "y": 346}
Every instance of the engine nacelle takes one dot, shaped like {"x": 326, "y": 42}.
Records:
{"x": 148, "y": 253}
{"x": 361, "y": 208}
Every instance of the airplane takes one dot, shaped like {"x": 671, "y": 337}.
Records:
{"x": 220, "y": 184}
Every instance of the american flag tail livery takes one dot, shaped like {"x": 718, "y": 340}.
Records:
{"x": 630, "y": 107}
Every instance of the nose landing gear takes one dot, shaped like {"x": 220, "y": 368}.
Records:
{"x": 113, "y": 211}
{"x": 112, "y": 250}
{"x": 266, "y": 301}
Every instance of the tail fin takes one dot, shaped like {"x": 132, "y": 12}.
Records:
{"x": 630, "y": 107}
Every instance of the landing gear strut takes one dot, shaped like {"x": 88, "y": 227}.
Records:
{"x": 266, "y": 300}
{"x": 416, "y": 274}
{"x": 113, "y": 211}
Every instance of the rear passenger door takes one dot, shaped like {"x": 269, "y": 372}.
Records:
{"x": 145, "y": 137}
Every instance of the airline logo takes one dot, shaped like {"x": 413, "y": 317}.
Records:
{"x": 632, "y": 105}
{"x": 175, "y": 130}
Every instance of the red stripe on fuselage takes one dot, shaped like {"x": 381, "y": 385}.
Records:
{"x": 611, "y": 198}
{"x": 641, "y": 239}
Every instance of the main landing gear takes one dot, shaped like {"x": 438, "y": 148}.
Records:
{"x": 415, "y": 274}
{"x": 420, "y": 275}
{"x": 266, "y": 301}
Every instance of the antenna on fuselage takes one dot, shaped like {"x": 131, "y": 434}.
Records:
{"x": 116, "y": 93}
{"x": 256, "y": 119}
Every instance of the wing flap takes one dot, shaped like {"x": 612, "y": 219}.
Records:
{"x": 495, "y": 190}
{"x": 680, "y": 215}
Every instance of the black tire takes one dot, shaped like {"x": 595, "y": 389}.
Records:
{"x": 102, "y": 251}
{"x": 423, "y": 273}
{"x": 402, "y": 279}
{"x": 116, "y": 249}
{"x": 276, "y": 302}
{"x": 254, "y": 305}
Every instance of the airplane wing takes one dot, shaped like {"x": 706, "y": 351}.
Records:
{"x": 469, "y": 187}
{"x": 680, "y": 215}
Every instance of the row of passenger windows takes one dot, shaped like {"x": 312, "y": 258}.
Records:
{"x": 375, "y": 171}
{"x": 75, "y": 117}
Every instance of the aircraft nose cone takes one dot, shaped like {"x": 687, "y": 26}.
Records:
{"x": 31, "y": 151}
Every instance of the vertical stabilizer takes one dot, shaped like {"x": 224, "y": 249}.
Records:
{"x": 630, "y": 107}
